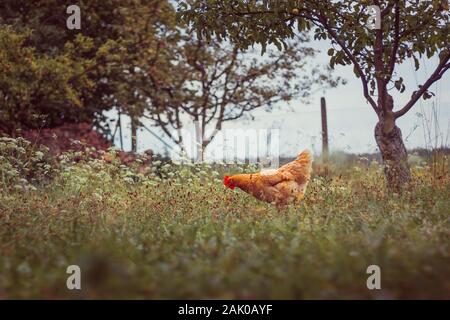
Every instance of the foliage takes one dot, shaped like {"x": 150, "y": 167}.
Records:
{"x": 133, "y": 56}
{"x": 176, "y": 232}
{"x": 34, "y": 87}
{"x": 374, "y": 54}
{"x": 71, "y": 76}
{"x": 61, "y": 139}
{"x": 23, "y": 165}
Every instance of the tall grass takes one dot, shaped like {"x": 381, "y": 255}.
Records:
{"x": 176, "y": 232}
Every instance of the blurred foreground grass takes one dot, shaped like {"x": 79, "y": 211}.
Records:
{"x": 178, "y": 233}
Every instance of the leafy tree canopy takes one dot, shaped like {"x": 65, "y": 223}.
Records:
{"x": 38, "y": 89}
{"x": 410, "y": 29}
{"x": 92, "y": 63}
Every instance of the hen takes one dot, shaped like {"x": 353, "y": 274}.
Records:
{"x": 282, "y": 186}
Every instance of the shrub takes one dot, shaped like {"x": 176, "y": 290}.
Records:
{"x": 23, "y": 165}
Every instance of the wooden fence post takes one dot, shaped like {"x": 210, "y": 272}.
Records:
{"x": 120, "y": 130}
{"x": 134, "y": 129}
{"x": 325, "y": 149}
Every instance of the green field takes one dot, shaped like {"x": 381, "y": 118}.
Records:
{"x": 176, "y": 232}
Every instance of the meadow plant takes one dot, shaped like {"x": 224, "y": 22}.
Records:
{"x": 174, "y": 231}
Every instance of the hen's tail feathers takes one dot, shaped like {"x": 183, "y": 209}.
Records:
{"x": 305, "y": 158}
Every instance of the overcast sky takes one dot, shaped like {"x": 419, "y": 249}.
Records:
{"x": 351, "y": 120}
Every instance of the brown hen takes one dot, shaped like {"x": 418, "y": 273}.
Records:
{"x": 282, "y": 186}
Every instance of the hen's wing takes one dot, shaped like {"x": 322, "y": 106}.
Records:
{"x": 300, "y": 169}
{"x": 299, "y": 173}
{"x": 274, "y": 177}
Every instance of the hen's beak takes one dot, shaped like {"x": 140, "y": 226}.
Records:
{"x": 227, "y": 182}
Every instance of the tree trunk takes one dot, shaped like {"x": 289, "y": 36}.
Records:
{"x": 133, "y": 135}
{"x": 199, "y": 142}
{"x": 395, "y": 156}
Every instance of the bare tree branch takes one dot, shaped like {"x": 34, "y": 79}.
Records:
{"x": 437, "y": 74}
{"x": 361, "y": 74}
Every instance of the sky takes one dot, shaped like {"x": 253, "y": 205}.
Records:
{"x": 351, "y": 120}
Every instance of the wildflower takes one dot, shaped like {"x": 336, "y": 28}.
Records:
{"x": 39, "y": 155}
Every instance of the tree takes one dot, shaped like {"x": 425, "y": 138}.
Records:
{"x": 150, "y": 34}
{"x": 93, "y": 63}
{"x": 210, "y": 84}
{"x": 34, "y": 87}
{"x": 374, "y": 53}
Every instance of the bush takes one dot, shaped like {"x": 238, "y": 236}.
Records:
{"x": 23, "y": 165}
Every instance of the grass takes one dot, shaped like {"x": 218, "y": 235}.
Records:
{"x": 185, "y": 236}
